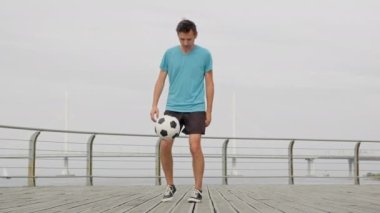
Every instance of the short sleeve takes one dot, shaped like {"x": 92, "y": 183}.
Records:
{"x": 164, "y": 62}
{"x": 208, "y": 62}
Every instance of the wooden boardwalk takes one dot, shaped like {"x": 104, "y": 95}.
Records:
{"x": 217, "y": 198}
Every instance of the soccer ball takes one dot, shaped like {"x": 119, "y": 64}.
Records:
{"x": 167, "y": 127}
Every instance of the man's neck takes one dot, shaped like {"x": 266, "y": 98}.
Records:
{"x": 187, "y": 50}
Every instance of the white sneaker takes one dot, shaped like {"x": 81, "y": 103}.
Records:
{"x": 169, "y": 193}
{"x": 195, "y": 197}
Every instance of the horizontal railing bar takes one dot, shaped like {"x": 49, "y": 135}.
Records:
{"x": 14, "y": 139}
{"x": 104, "y": 160}
{"x": 206, "y": 156}
{"x": 228, "y": 176}
{"x": 18, "y": 149}
{"x": 238, "y": 147}
{"x": 61, "y": 142}
{"x": 101, "y": 168}
{"x": 56, "y": 150}
{"x": 116, "y": 144}
{"x": 130, "y": 168}
{"x": 205, "y": 137}
{"x": 75, "y": 132}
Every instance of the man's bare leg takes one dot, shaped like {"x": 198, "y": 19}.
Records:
{"x": 167, "y": 160}
{"x": 198, "y": 159}
{"x": 167, "y": 166}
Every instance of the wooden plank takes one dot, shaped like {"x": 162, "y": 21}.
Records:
{"x": 206, "y": 205}
{"x": 219, "y": 202}
{"x": 171, "y": 205}
{"x": 278, "y": 203}
{"x": 117, "y": 198}
{"x": 216, "y": 198}
{"x": 326, "y": 198}
{"x": 286, "y": 195}
{"x": 70, "y": 201}
{"x": 183, "y": 205}
{"x": 255, "y": 200}
{"x": 288, "y": 199}
{"x": 335, "y": 195}
{"x": 29, "y": 201}
{"x": 144, "y": 197}
{"x": 229, "y": 194}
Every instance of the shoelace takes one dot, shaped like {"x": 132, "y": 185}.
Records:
{"x": 195, "y": 192}
{"x": 168, "y": 190}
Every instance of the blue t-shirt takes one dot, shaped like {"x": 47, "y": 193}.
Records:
{"x": 186, "y": 78}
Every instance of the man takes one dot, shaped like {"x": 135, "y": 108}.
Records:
{"x": 189, "y": 67}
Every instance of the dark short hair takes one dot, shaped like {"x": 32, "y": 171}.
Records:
{"x": 186, "y": 26}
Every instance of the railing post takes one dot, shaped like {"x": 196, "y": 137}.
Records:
{"x": 356, "y": 164}
{"x": 291, "y": 165}
{"x": 224, "y": 162}
{"x": 90, "y": 145}
{"x": 350, "y": 165}
{"x": 310, "y": 166}
{"x": 32, "y": 159}
{"x": 158, "y": 163}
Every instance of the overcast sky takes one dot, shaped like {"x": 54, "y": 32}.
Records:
{"x": 298, "y": 68}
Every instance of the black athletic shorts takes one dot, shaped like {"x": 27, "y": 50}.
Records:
{"x": 193, "y": 122}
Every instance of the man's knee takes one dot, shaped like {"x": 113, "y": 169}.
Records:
{"x": 195, "y": 148}
{"x": 166, "y": 145}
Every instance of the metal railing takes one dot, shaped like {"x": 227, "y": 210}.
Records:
{"x": 224, "y": 155}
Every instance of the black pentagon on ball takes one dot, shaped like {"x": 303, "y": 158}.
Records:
{"x": 164, "y": 133}
{"x": 161, "y": 120}
{"x": 173, "y": 124}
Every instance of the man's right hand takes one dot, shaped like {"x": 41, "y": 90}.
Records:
{"x": 154, "y": 113}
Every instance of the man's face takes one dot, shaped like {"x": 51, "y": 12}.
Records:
{"x": 187, "y": 40}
